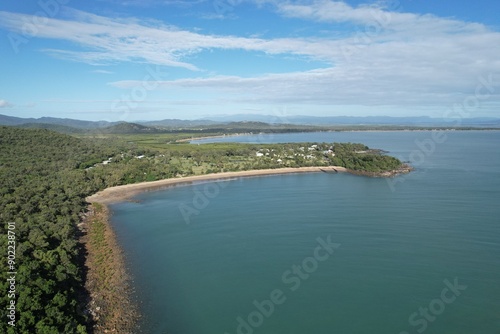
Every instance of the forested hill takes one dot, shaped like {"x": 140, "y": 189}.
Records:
{"x": 46, "y": 177}
{"x": 38, "y": 193}
{"x": 42, "y": 191}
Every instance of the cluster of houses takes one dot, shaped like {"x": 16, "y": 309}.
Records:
{"x": 109, "y": 160}
{"x": 310, "y": 152}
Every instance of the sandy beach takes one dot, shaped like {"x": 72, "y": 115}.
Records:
{"x": 125, "y": 192}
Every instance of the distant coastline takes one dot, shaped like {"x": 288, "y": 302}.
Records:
{"x": 368, "y": 129}
{"x": 187, "y": 140}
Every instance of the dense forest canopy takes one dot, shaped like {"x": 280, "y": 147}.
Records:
{"x": 42, "y": 191}
{"x": 46, "y": 177}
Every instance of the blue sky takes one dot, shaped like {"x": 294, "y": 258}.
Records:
{"x": 157, "y": 59}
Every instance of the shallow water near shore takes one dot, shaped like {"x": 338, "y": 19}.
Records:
{"x": 242, "y": 256}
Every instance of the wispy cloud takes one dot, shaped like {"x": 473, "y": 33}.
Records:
{"x": 408, "y": 60}
{"x": 102, "y": 71}
{"x": 379, "y": 16}
{"x": 333, "y": 86}
{"x": 5, "y": 104}
{"x": 398, "y": 59}
{"x": 157, "y": 3}
{"x": 330, "y": 11}
{"x": 101, "y": 40}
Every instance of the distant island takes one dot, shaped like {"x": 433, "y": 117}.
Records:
{"x": 73, "y": 273}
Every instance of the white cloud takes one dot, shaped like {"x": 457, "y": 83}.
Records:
{"x": 334, "y": 11}
{"x": 401, "y": 59}
{"x": 5, "y": 104}
{"x": 325, "y": 86}
{"x": 395, "y": 58}
{"x": 377, "y": 19}
{"x": 102, "y": 40}
{"x": 102, "y": 71}
{"x": 157, "y": 3}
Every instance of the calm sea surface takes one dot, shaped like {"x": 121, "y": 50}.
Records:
{"x": 326, "y": 253}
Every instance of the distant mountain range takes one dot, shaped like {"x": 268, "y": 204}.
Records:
{"x": 354, "y": 120}
{"x": 73, "y": 123}
{"x": 241, "y": 122}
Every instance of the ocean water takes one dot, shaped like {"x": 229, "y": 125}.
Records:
{"x": 326, "y": 253}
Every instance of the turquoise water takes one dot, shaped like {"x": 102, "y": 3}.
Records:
{"x": 397, "y": 245}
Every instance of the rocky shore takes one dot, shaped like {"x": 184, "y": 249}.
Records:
{"x": 110, "y": 306}
{"x": 403, "y": 169}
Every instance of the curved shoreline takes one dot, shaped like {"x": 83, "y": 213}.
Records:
{"x": 125, "y": 314}
{"x": 122, "y": 297}
{"x": 125, "y": 192}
